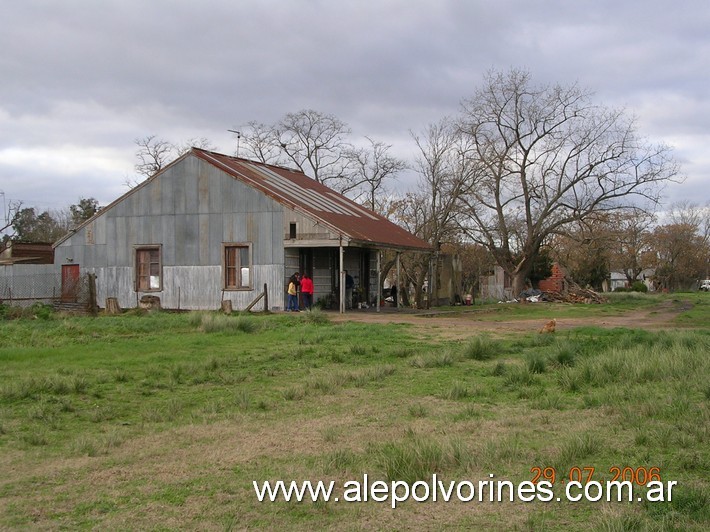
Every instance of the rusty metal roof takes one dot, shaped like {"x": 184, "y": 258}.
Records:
{"x": 299, "y": 192}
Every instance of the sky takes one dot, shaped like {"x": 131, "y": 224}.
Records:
{"x": 81, "y": 80}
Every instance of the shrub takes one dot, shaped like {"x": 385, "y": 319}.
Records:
{"x": 537, "y": 363}
{"x": 566, "y": 354}
{"x": 639, "y": 286}
{"x": 481, "y": 348}
{"x": 38, "y": 311}
{"x": 519, "y": 376}
{"x": 217, "y": 323}
{"x": 41, "y": 311}
{"x": 315, "y": 317}
{"x": 412, "y": 461}
{"x": 458, "y": 390}
{"x": 340, "y": 461}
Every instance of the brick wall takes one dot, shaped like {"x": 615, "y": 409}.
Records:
{"x": 556, "y": 281}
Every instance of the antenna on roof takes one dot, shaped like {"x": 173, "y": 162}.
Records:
{"x": 239, "y": 136}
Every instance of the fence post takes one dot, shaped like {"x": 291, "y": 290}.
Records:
{"x": 266, "y": 298}
{"x": 93, "y": 306}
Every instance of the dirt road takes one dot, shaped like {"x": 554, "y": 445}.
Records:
{"x": 461, "y": 324}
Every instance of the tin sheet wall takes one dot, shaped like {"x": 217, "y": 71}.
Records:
{"x": 190, "y": 210}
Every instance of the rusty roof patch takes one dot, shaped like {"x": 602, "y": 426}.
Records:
{"x": 296, "y": 190}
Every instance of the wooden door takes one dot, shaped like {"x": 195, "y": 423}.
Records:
{"x": 70, "y": 282}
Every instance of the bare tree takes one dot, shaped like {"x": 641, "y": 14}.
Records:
{"x": 152, "y": 154}
{"x": 689, "y": 215}
{"x": 443, "y": 168}
{"x": 430, "y": 212}
{"x": 261, "y": 143}
{"x": 547, "y": 157}
{"x": 681, "y": 256}
{"x": 316, "y": 143}
{"x": 313, "y": 142}
{"x": 11, "y": 216}
{"x": 372, "y": 167}
{"x": 629, "y": 241}
{"x": 195, "y": 142}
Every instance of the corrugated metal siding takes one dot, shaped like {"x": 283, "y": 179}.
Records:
{"x": 190, "y": 209}
{"x": 190, "y": 287}
{"x": 205, "y": 200}
{"x": 306, "y": 228}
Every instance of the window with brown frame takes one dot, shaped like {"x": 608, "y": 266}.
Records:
{"x": 149, "y": 271}
{"x": 237, "y": 266}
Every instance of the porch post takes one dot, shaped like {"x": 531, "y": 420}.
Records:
{"x": 342, "y": 280}
{"x": 396, "y": 299}
{"x": 379, "y": 279}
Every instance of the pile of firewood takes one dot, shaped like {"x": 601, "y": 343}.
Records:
{"x": 575, "y": 294}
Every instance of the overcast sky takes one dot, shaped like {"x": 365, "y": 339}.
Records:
{"x": 81, "y": 80}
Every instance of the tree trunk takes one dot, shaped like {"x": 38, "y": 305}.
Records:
{"x": 112, "y": 306}
{"x": 518, "y": 282}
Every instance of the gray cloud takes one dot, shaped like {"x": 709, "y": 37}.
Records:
{"x": 82, "y": 79}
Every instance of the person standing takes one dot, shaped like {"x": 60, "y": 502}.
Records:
{"x": 292, "y": 294}
{"x": 307, "y": 291}
{"x": 349, "y": 285}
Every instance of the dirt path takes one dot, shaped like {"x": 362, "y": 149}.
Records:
{"x": 462, "y": 324}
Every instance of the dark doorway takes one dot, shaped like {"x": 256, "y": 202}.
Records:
{"x": 306, "y": 261}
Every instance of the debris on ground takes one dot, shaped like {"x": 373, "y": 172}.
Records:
{"x": 575, "y": 294}
{"x": 572, "y": 294}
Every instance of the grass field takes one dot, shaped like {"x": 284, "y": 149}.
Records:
{"x": 162, "y": 420}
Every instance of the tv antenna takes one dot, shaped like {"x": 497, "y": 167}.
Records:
{"x": 239, "y": 136}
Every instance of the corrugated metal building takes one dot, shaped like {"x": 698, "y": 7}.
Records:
{"x": 210, "y": 227}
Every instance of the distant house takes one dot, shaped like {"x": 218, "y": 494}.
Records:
{"x": 618, "y": 279}
{"x": 497, "y": 284}
{"x": 210, "y": 227}
{"x": 27, "y": 274}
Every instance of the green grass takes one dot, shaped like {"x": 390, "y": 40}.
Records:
{"x": 164, "y": 420}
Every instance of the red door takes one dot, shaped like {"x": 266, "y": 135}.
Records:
{"x": 70, "y": 282}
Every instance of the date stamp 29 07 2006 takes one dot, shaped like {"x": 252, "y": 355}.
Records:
{"x": 579, "y": 483}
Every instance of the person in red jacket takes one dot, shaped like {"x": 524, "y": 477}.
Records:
{"x": 307, "y": 291}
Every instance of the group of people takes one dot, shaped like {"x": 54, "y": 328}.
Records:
{"x": 303, "y": 284}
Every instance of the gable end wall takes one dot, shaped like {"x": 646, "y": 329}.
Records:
{"x": 191, "y": 209}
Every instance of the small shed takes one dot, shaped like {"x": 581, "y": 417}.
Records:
{"x": 210, "y": 227}
{"x": 16, "y": 252}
